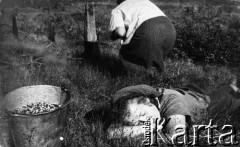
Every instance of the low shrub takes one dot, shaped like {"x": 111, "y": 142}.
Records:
{"x": 208, "y": 39}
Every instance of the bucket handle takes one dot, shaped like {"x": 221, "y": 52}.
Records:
{"x": 68, "y": 96}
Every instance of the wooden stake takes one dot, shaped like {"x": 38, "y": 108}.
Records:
{"x": 51, "y": 30}
{"x": 92, "y": 51}
{"x": 14, "y": 26}
{"x": 90, "y": 30}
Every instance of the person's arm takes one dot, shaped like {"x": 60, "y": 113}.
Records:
{"x": 133, "y": 131}
{"x": 118, "y": 33}
{"x": 117, "y": 25}
{"x": 125, "y": 131}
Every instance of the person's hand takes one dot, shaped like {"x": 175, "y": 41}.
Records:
{"x": 175, "y": 125}
{"x": 126, "y": 40}
{"x": 160, "y": 124}
{"x": 119, "y": 33}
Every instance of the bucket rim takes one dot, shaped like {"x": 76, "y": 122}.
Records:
{"x": 66, "y": 102}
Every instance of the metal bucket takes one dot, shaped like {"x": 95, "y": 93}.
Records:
{"x": 39, "y": 130}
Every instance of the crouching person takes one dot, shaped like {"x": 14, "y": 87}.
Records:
{"x": 135, "y": 106}
{"x": 147, "y": 35}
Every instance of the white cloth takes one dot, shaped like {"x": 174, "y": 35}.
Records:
{"x": 131, "y": 14}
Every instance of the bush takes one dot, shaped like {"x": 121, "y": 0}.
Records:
{"x": 208, "y": 39}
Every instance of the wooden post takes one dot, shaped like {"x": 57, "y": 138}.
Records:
{"x": 90, "y": 31}
{"x": 90, "y": 36}
{"x": 2, "y": 16}
{"x": 14, "y": 26}
{"x": 51, "y": 30}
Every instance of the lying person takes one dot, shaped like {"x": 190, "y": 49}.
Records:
{"x": 135, "y": 104}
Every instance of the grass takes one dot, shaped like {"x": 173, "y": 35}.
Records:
{"x": 91, "y": 85}
{"x": 91, "y": 88}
